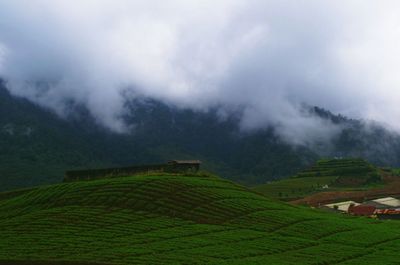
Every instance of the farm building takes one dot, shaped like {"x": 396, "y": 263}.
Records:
{"x": 185, "y": 165}
{"x": 384, "y": 203}
{"x": 362, "y": 210}
{"x": 174, "y": 166}
{"x": 388, "y": 214}
{"x": 341, "y": 206}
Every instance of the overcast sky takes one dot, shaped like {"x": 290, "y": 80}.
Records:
{"x": 265, "y": 56}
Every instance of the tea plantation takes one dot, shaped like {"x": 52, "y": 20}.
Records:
{"x": 180, "y": 219}
{"x": 334, "y": 174}
{"x": 348, "y": 171}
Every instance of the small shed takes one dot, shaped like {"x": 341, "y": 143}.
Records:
{"x": 185, "y": 165}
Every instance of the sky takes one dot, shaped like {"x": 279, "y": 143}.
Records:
{"x": 265, "y": 57}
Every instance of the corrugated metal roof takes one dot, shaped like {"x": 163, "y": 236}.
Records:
{"x": 389, "y": 201}
{"x": 342, "y": 206}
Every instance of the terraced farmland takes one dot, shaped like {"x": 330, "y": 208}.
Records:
{"x": 177, "y": 219}
{"x": 348, "y": 172}
{"x": 334, "y": 174}
{"x": 293, "y": 188}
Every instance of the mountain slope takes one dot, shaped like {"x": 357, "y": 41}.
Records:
{"x": 37, "y": 146}
{"x": 188, "y": 219}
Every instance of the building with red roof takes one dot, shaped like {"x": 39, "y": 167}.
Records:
{"x": 362, "y": 210}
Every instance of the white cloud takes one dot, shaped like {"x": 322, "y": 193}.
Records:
{"x": 266, "y": 56}
{"x": 2, "y": 55}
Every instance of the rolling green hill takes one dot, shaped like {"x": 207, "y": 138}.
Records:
{"x": 325, "y": 175}
{"x": 180, "y": 219}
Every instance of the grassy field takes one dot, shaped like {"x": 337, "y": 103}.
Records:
{"x": 337, "y": 174}
{"x": 177, "y": 219}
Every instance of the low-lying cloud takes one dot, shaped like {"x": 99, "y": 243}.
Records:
{"x": 267, "y": 57}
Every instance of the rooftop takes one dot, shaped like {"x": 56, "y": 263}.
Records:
{"x": 389, "y": 201}
{"x": 388, "y": 211}
{"x": 184, "y": 162}
{"x": 365, "y": 210}
{"x": 342, "y": 206}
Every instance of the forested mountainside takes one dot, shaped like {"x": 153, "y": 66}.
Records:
{"x": 37, "y": 146}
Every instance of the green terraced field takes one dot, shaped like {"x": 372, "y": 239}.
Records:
{"x": 175, "y": 219}
{"x": 338, "y": 174}
{"x": 343, "y": 169}
{"x": 293, "y": 188}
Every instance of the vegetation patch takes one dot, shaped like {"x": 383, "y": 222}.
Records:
{"x": 180, "y": 219}
{"x": 325, "y": 175}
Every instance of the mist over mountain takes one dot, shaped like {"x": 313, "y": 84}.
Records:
{"x": 265, "y": 58}
{"x": 37, "y": 146}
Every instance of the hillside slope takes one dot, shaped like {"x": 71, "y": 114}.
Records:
{"x": 37, "y": 146}
{"x": 325, "y": 175}
{"x": 346, "y": 171}
{"x": 180, "y": 219}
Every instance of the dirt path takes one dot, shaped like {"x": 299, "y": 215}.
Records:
{"x": 392, "y": 189}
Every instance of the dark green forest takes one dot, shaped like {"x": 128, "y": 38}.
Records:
{"x": 37, "y": 146}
